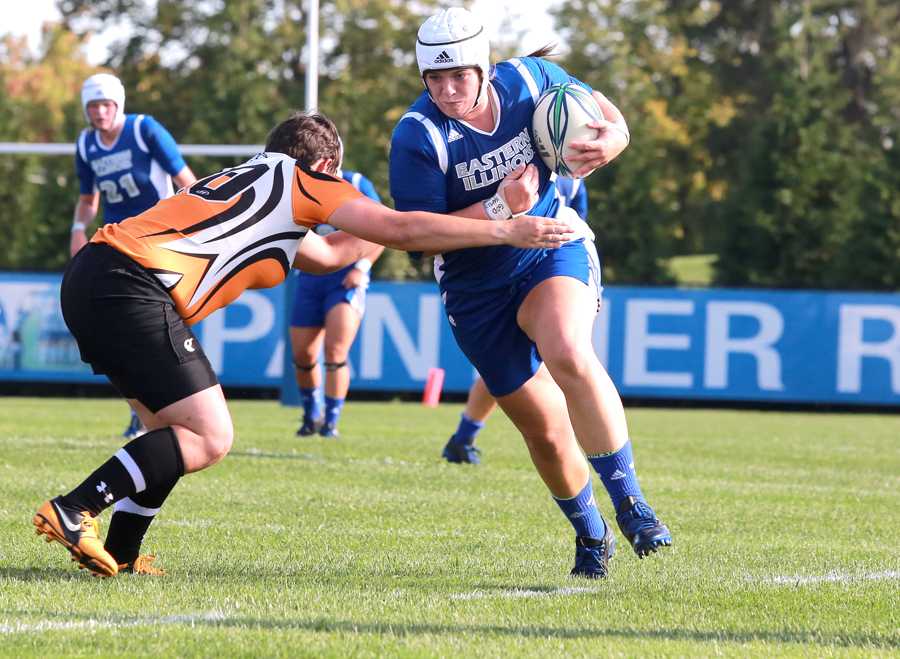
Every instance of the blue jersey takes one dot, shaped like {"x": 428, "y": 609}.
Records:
{"x": 441, "y": 164}
{"x": 132, "y": 174}
{"x": 361, "y": 183}
{"x": 317, "y": 294}
{"x": 572, "y": 193}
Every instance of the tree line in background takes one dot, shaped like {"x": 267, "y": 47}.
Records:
{"x": 764, "y": 132}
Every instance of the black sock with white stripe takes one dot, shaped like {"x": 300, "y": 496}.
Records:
{"x": 131, "y": 519}
{"x": 150, "y": 461}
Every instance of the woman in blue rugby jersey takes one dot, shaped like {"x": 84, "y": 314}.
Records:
{"x": 326, "y": 315}
{"x": 524, "y": 318}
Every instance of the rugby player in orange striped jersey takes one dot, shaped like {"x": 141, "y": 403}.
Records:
{"x": 130, "y": 296}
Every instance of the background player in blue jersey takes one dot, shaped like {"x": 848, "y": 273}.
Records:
{"x": 524, "y": 318}
{"x": 460, "y": 448}
{"x": 330, "y": 308}
{"x": 126, "y": 162}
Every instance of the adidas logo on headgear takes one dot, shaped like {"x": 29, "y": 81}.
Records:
{"x": 443, "y": 58}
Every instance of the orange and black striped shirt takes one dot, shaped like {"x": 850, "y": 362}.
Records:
{"x": 234, "y": 230}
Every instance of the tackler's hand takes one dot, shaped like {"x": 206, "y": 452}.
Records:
{"x": 520, "y": 189}
{"x": 536, "y": 232}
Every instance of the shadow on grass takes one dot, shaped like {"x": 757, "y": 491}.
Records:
{"x": 455, "y": 631}
{"x": 42, "y": 574}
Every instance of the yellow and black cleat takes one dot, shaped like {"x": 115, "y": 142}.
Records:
{"x": 78, "y": 532}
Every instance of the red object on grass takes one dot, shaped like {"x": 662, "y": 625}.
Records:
{"x": 433, "y": 385}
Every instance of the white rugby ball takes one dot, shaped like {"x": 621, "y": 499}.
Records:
{"x": 561, "y": 116}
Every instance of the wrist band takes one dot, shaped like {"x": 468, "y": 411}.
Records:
{"x": 496, "y": 208}
{"x": 363, "y": 265}
{"x": 78, "y": 226}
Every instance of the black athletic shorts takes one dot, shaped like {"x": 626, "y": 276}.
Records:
{"x": 127, "y": 329}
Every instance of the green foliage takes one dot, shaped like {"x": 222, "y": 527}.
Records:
{"x": 41, "y": 104}
{"x": 765, "y": 133}
{"x": 810, "y": 156}
{"x": 372, "y": 546}
{"x": 692, "y": 269}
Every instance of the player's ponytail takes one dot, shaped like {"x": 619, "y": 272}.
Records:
{"x": 547, "y": 50}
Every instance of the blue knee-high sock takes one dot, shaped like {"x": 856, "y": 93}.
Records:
{"x": 312, "y": 405}
{"x": 467, "y": 430}
{"x": 333, "y": 409}
{"x": 617, "y": 472}
{"x": 581, "y": 511}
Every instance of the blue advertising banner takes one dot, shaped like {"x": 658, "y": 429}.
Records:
{"x": 244, "y": 343}
{"x": 714, "y": 344}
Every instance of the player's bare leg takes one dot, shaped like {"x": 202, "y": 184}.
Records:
{"x": 558, "y": 315}
{"x": 538, "y": 410}
{"x": 341, "y": 324}
{"x": 204, "y": 430}
{"x": 306, "y": 343}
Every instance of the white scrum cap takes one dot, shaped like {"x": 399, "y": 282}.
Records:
{"x": 103, "y": 87}
{"x": 453, "y": 38}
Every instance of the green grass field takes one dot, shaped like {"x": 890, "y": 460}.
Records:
{"x": 786, "y": 527}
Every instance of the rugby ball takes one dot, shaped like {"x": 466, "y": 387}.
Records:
{"x": 561, "y": 116}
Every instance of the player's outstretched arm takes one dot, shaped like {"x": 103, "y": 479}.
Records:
{"x": 321, "y": 256}
{"x": 418, "y": 231}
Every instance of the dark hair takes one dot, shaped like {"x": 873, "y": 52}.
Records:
{"x": 544, "y": 51}
{"x": 306, "y": 137}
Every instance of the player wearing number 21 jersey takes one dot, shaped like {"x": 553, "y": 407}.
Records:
{"x": 133, "y": 173}
{"x": 129, "y": 159}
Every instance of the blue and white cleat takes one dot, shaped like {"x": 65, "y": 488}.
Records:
{"x": 461, "y": 453}
{"x": 329, "y": 430}
{"x": 640, "y": 525}
{"x": 309, "y": 427}
{"x": 592, "y": 556}
{"x": 135, "y": 428}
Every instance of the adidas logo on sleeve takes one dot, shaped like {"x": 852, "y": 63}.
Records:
{"x": 443, "y": 58}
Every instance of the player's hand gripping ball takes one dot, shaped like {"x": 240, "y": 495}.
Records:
{"x": 561, "y": 116}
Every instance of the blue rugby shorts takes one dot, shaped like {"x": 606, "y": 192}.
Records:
{"x": 316, "y": 295}
{"x": 485, "y": 326}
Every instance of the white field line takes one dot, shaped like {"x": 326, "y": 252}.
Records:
{"x": 830, "y": 577}
{"x": 113, "y": 623}
{"x": 522, "y": 593}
